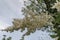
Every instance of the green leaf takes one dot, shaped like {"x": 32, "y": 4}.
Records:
{"x": 53, "y": 36}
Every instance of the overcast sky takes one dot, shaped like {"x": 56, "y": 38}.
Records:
{"x": 10, "y": 9}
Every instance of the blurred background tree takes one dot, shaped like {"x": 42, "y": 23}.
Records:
{"x": 39, "y": 14}
{"x": 4, "y": 38}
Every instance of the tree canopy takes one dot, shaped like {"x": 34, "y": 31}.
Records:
{"x": 38, "y": 14}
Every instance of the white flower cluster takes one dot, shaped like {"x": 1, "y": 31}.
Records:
{"x": 57, "y": 6}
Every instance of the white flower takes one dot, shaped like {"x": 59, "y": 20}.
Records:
{"x": 57, "y": 6}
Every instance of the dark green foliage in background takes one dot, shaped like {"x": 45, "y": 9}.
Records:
{"x": 4, "y": 38}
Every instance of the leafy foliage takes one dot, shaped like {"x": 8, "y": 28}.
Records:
{"x": 57, "y": 21}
